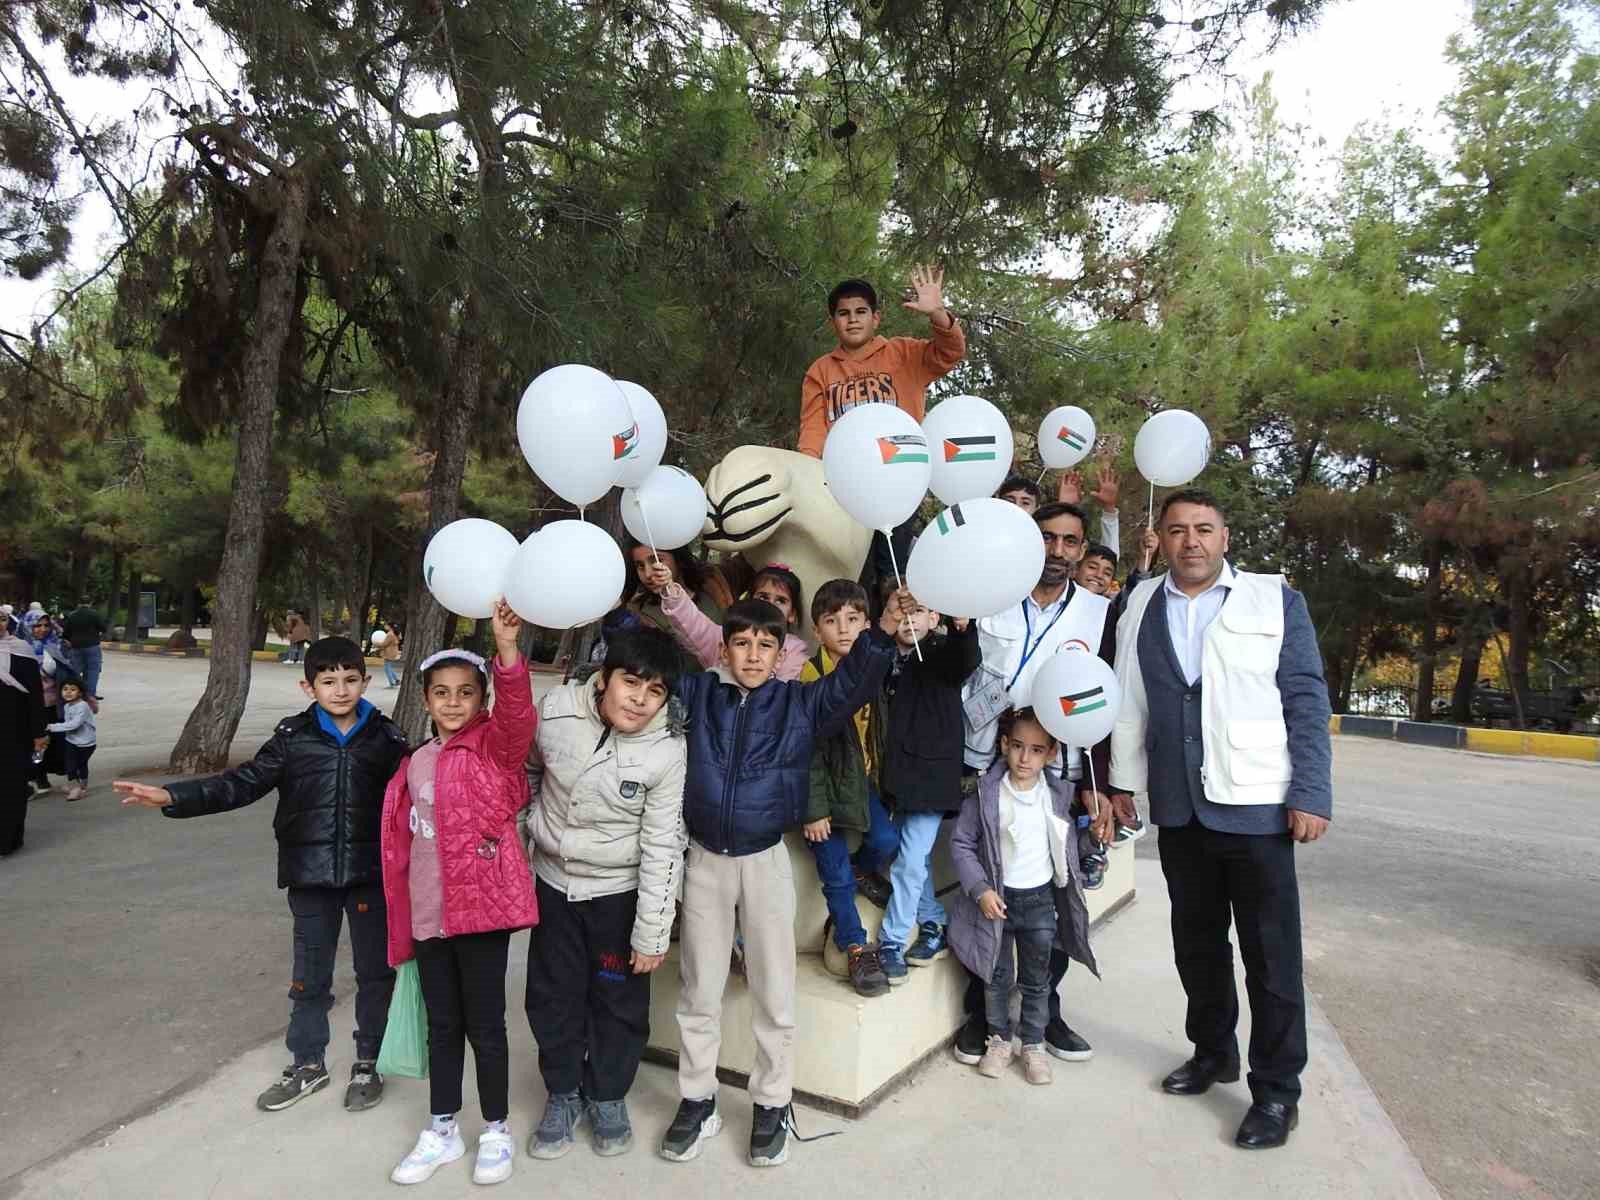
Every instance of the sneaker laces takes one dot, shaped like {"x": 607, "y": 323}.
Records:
{"x": 786, "y": 1121}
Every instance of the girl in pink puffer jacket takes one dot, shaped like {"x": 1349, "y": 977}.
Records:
{"x": 456, "y": 880}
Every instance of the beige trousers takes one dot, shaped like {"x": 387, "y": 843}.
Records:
{"x": 761, "y": 888}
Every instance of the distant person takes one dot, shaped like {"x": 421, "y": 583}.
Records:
{"x": 22, "y": 732}
{"x": 392, "y": 651}
{"x": 1224, "y": 725}
{"x": 298, "y": 634}
{"x": 53, "y": 661}
{"x": 81, "y": 632}
{"x": 77, "y": 727}
{"x": 329, "y": 765}
{"x": 455, "y": 875}
{"x": 707, "y": 589}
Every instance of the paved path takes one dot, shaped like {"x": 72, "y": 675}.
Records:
{"x": 1449, "y": 939}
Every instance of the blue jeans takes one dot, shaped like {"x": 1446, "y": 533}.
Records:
{"x": 838, "y": 873}
{"x": 911, "y": 877}
{"x": 85, "y": 664}
{"x": 388, "y": 673}
{"x": 1030, "y": 929}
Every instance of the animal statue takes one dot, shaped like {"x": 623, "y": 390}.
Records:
{"x": 772, "y": 505}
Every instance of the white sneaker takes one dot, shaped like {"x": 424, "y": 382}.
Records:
{"x": 495, "y": 1152}
{"x": 429, "y": 1154}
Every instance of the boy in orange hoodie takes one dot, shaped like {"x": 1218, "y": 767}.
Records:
{"x": 865, "y": 368}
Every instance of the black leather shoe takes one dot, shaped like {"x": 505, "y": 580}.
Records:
{"x": 1266, "y": 1126}
{"x": 1198, "y": 1074}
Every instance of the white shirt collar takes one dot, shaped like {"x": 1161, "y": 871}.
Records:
{"x": 1224, "y": 580}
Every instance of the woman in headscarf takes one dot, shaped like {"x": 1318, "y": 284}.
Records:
{"x": 22, "y": 732}
{"x": 40, "y": 634}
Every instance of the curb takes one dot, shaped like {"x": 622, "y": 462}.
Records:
{"x": 1573, "y": 747}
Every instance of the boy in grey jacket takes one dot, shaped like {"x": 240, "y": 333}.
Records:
{"x": 605, "y": 841}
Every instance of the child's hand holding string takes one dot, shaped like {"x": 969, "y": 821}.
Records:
{"x": 506, "y": 625}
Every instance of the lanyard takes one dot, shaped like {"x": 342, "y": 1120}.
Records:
{"x": 1029, "y": 646}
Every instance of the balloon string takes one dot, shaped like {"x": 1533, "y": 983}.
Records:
{"x": 1094, "y": 787}
{"x": 916, "y": 643}
{"x": 649, "y": 536}
{"x": 1151, "y": 519}
{"x": 1040, "y": 480}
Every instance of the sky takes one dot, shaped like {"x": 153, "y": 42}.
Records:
{"x": 1366, "y": 60}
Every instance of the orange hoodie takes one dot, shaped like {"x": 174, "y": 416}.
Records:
{"x": 884, "y": 371}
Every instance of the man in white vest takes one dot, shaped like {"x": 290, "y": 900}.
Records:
{"x": 1224, "y": 722}
{"x": 1015, "y": 644}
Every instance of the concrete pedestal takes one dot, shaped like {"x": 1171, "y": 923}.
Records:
{"x": 849, "y": 1051}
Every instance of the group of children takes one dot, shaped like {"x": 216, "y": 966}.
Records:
{"x": 644, "y": 803}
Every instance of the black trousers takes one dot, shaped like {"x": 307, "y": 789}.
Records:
{"x": 319, "y": 914}
{"x": 588, "y": 1011}
{"x": 464, "y": 986}
{"x": 1212, "y": 877}
{"x": 15, "y": 763}
{"x": 77, "y": 759}
{"x": 972, "y": 1003}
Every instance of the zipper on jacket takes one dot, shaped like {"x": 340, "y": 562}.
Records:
{"x": 728, "y": 779}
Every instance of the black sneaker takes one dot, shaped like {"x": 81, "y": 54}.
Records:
{"x": 971, "y": 1040}
{"x": 1130, "y": 833}
{"x": 875, "y": 888}
{"x": 608, "y": 1122}
{"x": 696, "y": 1121}
{"x": 769, "y": 1136}
{"x": 556, "y": 1131}
{"x": 365, "y": 1088}
{"x": 1063, "y": 1043}
{"x": 294, "y": 1085}
{"x": 866, "y": 973}
{"x": 1094, "y": 871}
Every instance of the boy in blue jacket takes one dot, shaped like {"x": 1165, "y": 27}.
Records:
{"x": 750, "y": 743}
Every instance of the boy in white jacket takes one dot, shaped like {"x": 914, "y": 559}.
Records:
{"x": 606, "y": 841}
{"x": 78, "y": 731}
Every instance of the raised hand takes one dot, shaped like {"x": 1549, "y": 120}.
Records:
{"x": 1108, "y": 488}
{"x": 141, "y": 794}
{"x": 506, "y": 625}
{"x": 658, "y": 577}
{"x": 1069, "y": 488}
{"x": 1149, "y": 544}
{"x": 928, "y": 284}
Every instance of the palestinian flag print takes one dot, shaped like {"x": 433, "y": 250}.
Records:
{"x": 903, "y": 448}
{"x": 622, "y": 444}
{"x": 1071, "y": 438}
{"x": 1082, "y": 702}
{"x": 951, "y": 518}
{"x": 970, "y": 449}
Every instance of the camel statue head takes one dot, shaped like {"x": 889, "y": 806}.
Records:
{"x": 772, "y": 505}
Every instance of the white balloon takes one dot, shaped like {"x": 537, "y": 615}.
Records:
{"x": 568, "y": 573}
{"x": 876, "y": 465}
{"x": 971, "y": 445}
{"x": 667, "y": 510}
{"x": 976, "y": 558}
{"x": 1075, "y": 696}
{"x": 1066, "y": 437}
{"x": 379, "y": 637}
{"x": 574, "y": 428}
{"x": 643, "y": 452}
{"x": 1172, "y": 448}
{"x": 465, "y": 564}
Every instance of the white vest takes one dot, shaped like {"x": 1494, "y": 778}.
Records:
{"x": 1243, "y": 734}
{"x": 1001, "y": 639}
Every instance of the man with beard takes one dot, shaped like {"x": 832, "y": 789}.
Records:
{"x": 1015, "y": 643}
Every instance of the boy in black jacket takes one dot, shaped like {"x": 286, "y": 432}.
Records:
{"x": 919, "y": 774}
{"x": 330, "y": 765}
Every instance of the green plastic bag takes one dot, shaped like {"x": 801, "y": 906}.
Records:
{"x": 405, "y": 1039}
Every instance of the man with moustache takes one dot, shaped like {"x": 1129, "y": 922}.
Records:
{"x": 1224, "y": 723}
{"x": 1015, "y": 644}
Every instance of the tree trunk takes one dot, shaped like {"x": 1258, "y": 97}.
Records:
{"x": 1467, "y": 675}
{"x": 119, "y": 559}
{"x": 186, "y": 609}
{"x": 1428, "y": 656}
{"x": 314, "y": 617}
{"x": 1518, "y": 585}
{"x": 78, "y": 584}
{"x": 426, "y": 622}
{"x": 133, "y": 604}
{"x": 360, "y": 578}
{"x": 208, "y": 733}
